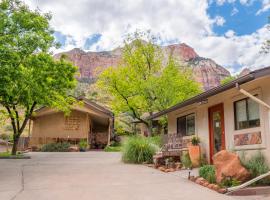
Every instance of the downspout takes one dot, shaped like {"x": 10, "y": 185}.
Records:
{"x": 259, "y": 101}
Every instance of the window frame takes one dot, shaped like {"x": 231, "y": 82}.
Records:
{"x": 185, "y": 116}
{"x": 247, "y": 113}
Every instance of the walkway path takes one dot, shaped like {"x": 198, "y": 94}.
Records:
{"x": 92, "y": 176}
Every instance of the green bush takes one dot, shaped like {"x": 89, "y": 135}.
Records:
{"x": 155, "y": 140}
{"x": 257, "y": 166}
{"x": 83, "y": 144}
{"x": 185, "y": 160}
{"x": 208, "y": 172}
{"x": 229, "y": 182}
{"x": 138, "y": 149}
{"x": 56, "y": 147}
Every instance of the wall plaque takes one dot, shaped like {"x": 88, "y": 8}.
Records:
{"x": 247, "y": 139}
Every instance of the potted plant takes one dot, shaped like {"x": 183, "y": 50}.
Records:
{"x": 195, "y": 151}
{"x": 83, "y": 145}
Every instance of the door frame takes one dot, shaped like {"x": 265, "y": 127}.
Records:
{"x": 217, "y": 107}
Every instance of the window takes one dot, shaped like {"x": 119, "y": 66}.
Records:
{"x": 186, "y": 125}
{"x": 247, "y": 114}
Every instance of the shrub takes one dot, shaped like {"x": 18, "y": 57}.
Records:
{"x": 195, "y": 140}
{"x": 229, "y": 182}
{"x": 257, "y": 166}
{"x": 185, "y": 160}
{"x": 155, "y": 140}
{"x": 138, "y": 149}
{"x": 55, "y": 147}
{"x": 83, "y": 144}
{"x": 208, "y": 172}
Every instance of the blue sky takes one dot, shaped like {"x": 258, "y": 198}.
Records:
{"x": 238, "y": 17}
{"x": 231, "y": 32}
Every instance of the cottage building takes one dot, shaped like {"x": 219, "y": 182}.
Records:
{"x": 88, "y": 121}
{"x": 234, "y": 116}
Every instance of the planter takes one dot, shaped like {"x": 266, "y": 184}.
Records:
{"x": 194, "y": 154}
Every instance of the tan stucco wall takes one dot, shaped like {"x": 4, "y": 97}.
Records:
{"x": 54, "y": 126}
{"x": 260, "y": 87}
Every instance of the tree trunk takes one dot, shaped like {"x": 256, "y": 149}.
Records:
{"x": 15, "y": 145}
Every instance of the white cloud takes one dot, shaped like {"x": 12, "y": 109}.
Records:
{"x": 219, "y": 21}
{"x": 265, "y": 7}
{"x": 173, "y": 20}
{"x": 234, "y": 11}
{"x": 230, "y": 33}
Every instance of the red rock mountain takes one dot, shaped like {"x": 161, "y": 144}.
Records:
{"x": 205, "y": 70}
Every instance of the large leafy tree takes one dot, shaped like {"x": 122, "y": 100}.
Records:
{"x": 146, "y": 81}
{"x": 29, "y": 76}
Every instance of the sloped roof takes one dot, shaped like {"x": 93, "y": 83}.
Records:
{"x": 241, "y": 80}
{"x": 96, "y": 107}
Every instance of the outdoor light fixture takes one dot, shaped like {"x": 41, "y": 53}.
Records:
{"x": 204, "y": 101}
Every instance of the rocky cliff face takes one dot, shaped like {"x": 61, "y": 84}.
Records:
{"x": 205, "y": 70}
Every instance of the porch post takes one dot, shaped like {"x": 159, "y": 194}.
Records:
{"x": 109, "y": 133}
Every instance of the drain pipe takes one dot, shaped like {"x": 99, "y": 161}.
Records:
{"x": 233, "y": 189}
{"x": 244, "y": 92}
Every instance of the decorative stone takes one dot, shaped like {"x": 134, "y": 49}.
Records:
{"x": 162, "y": 169}
{"x": 210, "y": 186}
{"x": 215, "y": 187}
{"x": 205, "y": 184}
{"x": 167, "y": 170}
{"x": 200, "y": 180}
{"x": 222, "y": 190}
{"x": 228, "y": 164}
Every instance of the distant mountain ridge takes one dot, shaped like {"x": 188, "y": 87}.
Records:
{"x": 206, "y": 71}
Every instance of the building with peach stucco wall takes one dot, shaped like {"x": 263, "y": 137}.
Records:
{"x": 87, "y": 120}
{"x": 234, "y": 116}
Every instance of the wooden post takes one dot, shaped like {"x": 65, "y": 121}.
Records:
{"x": 109, "y": 133}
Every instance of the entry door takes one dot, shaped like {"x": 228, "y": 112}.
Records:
{"x": 217, "y": 130}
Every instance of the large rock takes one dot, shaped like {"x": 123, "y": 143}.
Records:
{"x": 228, "y": 164}
{"x": 91, "y": 64}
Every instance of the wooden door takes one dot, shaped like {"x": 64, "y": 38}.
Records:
{"x": 216, "y": 129}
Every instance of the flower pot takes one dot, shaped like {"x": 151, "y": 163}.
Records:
{"x": 194, "y": 154}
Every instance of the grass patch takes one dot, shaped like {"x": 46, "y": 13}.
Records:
{"x": 8, "y": 155}
{"x": 139, "y": 150}
{"x": 112, "y": 149}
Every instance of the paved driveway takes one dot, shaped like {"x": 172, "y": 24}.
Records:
{"x": 92, "y": 176}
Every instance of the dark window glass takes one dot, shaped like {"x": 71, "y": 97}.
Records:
{"x": 186, "y": 125}
{"x": 247, "y": 114}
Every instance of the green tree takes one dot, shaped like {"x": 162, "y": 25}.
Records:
{"x": 146, "y": 81}
{"x": 29, "y": 76}
{"x": 228, "y": 80}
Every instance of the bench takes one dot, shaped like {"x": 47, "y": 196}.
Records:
{"x": 173, "y": 147}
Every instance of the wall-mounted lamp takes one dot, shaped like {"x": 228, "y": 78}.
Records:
{"x": 205, "y": 101}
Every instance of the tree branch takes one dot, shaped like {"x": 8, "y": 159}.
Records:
{"x": 12, "y": 120}
{"x": 27, "y": 116}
